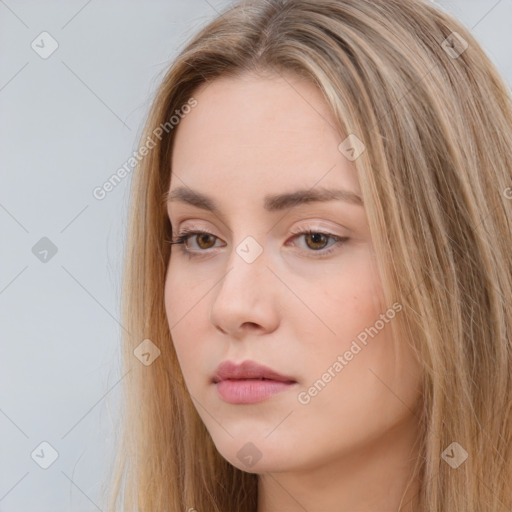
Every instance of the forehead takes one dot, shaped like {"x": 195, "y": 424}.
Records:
{"x": 272, "y": 132}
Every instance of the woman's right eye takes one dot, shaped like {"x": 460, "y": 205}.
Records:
{"x": 203, "y": 240}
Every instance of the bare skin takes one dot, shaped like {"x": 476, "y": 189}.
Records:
{"x": 350, "y": 445}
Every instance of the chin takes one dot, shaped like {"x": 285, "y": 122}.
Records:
{"x": 258, "y": 456}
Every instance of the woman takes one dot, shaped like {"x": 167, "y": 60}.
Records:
{"x": 318, "y": 277}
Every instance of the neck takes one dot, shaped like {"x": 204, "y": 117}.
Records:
{"x": 377, "y": 478}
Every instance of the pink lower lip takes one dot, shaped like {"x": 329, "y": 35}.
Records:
{"x": 249, "y": 391}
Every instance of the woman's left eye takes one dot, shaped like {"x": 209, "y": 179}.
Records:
{"x": 316, "y": 241}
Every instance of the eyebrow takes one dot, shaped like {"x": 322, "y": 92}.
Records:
{"x": 272, "y": 203}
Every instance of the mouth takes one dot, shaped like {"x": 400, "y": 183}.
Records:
{"x": 249, "y": 382}
{"x": 250, "y": 391}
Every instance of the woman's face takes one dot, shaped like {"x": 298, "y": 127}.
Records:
{"x": 308, "y": 306}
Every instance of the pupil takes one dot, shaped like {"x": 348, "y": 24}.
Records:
{"x": 316, "y": 237}
{"x": 201, "y": 239}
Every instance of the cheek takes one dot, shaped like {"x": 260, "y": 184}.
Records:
{"x": 350, "y": 307}
{"x": 172, "y": 291}
{"x": 183, "y": 308}
{"x": 378, "y": 377}
{"x": 184, "y": 295}
{"x": 351, "y": 299}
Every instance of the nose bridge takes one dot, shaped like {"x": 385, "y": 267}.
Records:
{"x": 247, "y": 265}
{"x": 245, "y": 294}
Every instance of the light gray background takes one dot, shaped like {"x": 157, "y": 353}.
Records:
{"x": 68, "y": 123}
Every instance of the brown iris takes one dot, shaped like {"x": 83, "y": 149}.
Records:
{"x": 317, "y": 239}
{"x": 203, "y": 237}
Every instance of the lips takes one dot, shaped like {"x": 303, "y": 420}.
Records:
{"x": 249, "y": 382}
{"x": 248, "y": 370}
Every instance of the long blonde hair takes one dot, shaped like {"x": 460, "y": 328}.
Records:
{"x": 413, "y": 84}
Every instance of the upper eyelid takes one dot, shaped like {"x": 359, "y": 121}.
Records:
{"x": 314, "y": 221}
{"x": 298, "y": 231}
{"x": 183, "y": 216}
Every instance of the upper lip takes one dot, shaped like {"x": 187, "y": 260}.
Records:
{"x": 228, "y": 370}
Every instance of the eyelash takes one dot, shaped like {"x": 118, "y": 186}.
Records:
{"x": 188, "y": 233}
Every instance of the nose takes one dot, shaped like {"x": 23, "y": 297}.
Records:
{"x": 246, "y": 298}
